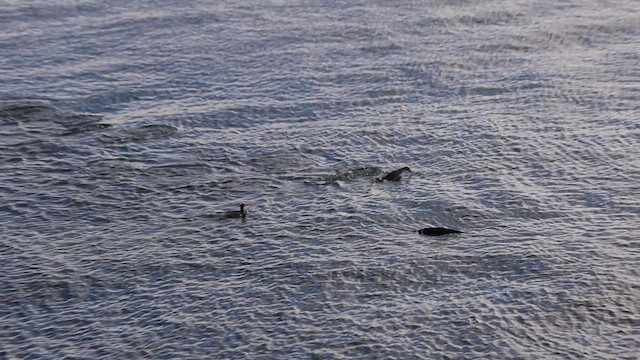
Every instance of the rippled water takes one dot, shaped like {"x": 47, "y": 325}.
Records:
{"x": 127, "y": 128}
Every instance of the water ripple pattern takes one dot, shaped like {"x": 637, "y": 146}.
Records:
{"x": 128, "y": 127}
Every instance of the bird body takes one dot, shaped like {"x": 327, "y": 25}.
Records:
{"x": 395, "y": 175}
{"x": 437, "y": 231}
{"x": 236, "y": 214}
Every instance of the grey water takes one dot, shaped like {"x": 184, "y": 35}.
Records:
{"x": 128, "y": 127}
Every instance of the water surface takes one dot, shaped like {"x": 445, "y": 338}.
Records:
{"x": 126, "y": 128}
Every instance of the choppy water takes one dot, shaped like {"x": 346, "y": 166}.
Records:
{"x": 126, "y": 128}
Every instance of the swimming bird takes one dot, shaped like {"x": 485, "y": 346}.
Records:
{"x": 437, "y": 231}
{"x": 236, "y": 214}
{"x": 395, "y": 175}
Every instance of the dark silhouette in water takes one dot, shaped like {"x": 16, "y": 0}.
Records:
{"x": 395, "y": 175}
{"x": 437, "y": 231}
{"x": 236, "y": 214}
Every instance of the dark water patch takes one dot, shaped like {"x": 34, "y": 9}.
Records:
{"x": 178, "y": 170}
{"x": 18, "y": 111}
{"x": 248, "y": 116}
{"x": 115, "y": 166}
{"x": 342, "y": 175}
{"x": 86, "y": 127}
{"x": 33, "y": 149}
{"x": 245, "y": 115}
{"x": 490, "y": 19}
{"x": 433, "y": 272}
{"x": 82, "y": 123}
{"x": 111, "y": 101}
{"x": 41, "y": 117}
{"x": 382, "y": 48}
{"x": 155, "y": 23}
{"x": 281, "y": 162}
{"x": 139, "y": 134}
{"x": 50, "y": 12}
{"x": 502, "y": 47}
{"x": 198, "y": 188}
{"x": 512, "y": 267}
